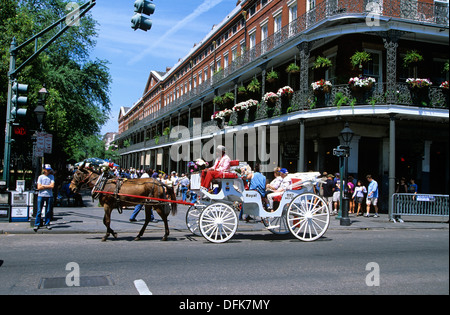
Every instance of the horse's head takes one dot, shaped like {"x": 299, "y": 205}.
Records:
{"x": 81, "y": 177}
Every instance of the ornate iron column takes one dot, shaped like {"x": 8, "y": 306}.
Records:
{"x": 390, "y": 40}
{"x": 304, "y": 49}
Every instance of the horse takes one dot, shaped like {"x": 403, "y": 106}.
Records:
{"x": 122, "y": 196}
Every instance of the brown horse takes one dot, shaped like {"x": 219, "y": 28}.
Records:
{"x": 146, "y": 187}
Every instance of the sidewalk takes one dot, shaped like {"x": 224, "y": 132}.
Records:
{"x": 89, "y": 219}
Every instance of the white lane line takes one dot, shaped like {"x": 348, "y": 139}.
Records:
{"x": 142, "y": 287}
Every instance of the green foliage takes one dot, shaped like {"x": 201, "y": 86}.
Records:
{"x": 411, "y": 57}
{"x": 254, "y": 86}
{"x": 322, "y": 62}
{"x": 359, "y": 58}
{"x": 272, "y": 75}
{"x": 292, "y": 68}
{"x": 78, "y": 103}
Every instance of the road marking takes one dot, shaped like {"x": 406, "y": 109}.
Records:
{"x": 142, "y": 287}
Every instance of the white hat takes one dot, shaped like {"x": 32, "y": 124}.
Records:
{"x": 221, "y": 147}
{"x": 48, "y": 167}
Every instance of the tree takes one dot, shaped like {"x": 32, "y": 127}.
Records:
{"x": 78, "y": 102}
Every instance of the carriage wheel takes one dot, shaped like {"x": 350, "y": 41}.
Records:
{"x": 192, "y": 217}
{"x": 218, "y": 223}
{"x": 277, "y": 225}
{"x": 308, "y": 217}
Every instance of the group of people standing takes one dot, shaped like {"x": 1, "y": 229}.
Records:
{"x": 358, "y": 193}
{"x": 356, "y": 190}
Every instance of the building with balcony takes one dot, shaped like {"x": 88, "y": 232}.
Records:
{"x": 400, "y": 123}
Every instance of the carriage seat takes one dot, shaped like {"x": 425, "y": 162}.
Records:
{"x": 294, "y": 181}
{"x": 231, "y": 174}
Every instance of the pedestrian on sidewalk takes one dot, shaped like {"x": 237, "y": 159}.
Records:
{"x": 184, "y": 186}
{"x": 358, "y": 196}
{"x": 45, "y": 185}
{"x": 328, "y": 190}
{"x": 138, "y": 208}
{"x": 372, "y": 196}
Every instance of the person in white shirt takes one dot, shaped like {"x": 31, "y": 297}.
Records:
{"x": 285, "y": 184}
{"x": 45, "y": 185}
{"x": 275, "y": 183}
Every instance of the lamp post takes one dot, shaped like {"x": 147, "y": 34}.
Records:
{"x": 343, "y": 152}
{"x": 39, "y": 111}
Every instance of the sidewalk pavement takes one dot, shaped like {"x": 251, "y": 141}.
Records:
{"x": 89, "y": 219}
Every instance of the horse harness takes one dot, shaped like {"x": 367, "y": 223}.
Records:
{"x": 102, "y": 181}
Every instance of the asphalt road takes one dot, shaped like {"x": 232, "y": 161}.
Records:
{"x": 258, "y": 263}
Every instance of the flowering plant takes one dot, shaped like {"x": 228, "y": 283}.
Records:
{"x": 444, "y": 85}
{"x": 242, "y": 106}
{"x": 320, "y": 84}
{"x": 198, "y": 165}
{"x": 107, "y": 166}
{"x": 418, "y": 83}
{"x": 361, "y": 81}
{"x": 252, "y": 103}
{"x": 285, "y": 91}
{"x": 270, "y": 97}
{"x": 221, "y": 114}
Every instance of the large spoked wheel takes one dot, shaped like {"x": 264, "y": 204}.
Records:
{"x": 308, "y": 217}
{"x": 277, "y": 225}
{"x": 218, "y": 223}
{"x": 192, "y": 218}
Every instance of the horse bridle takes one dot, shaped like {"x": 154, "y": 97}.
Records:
{"x": 82, "y": 182}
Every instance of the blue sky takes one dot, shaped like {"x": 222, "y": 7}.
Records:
{"x": 177, "y": 25}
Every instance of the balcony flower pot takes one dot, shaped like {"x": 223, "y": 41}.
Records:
{"x": 271, "y": 99}
{"x": 322, "y": 86}
{"x": 419, "y": 91}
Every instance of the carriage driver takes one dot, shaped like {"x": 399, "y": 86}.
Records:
{"x": 221, "y": 165}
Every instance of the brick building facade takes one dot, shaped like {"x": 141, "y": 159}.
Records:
{"x": 400, "y": 131}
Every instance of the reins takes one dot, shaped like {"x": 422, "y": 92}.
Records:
{"x": 149, "y": 198}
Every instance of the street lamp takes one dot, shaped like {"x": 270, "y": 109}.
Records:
{"x": 39, "y": 111}
{"x": 343, "y": 152}
{"x": 347, "y": 134}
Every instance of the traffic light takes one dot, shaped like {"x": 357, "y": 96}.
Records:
{"x": 18, "y": 100}
{"x": 138, "y": 20}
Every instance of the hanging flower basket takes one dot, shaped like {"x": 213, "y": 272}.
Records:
{"x": 419, "y": 91}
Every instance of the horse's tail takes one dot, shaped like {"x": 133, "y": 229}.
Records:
{"x": 171, "y": 192}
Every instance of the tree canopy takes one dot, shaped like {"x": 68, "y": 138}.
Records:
{"x": 78, "y": 102}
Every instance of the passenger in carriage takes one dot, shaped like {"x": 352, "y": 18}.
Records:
{"x": 286, "y": 184}
{"x": 275, "y": 183}
{"x": 221, "y": 165}
{"x": 257, "y": 181}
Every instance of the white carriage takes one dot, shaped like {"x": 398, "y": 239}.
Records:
{"x": 300, "y": 211}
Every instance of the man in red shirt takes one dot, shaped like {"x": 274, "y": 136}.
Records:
{"x": 221, "y": 165}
